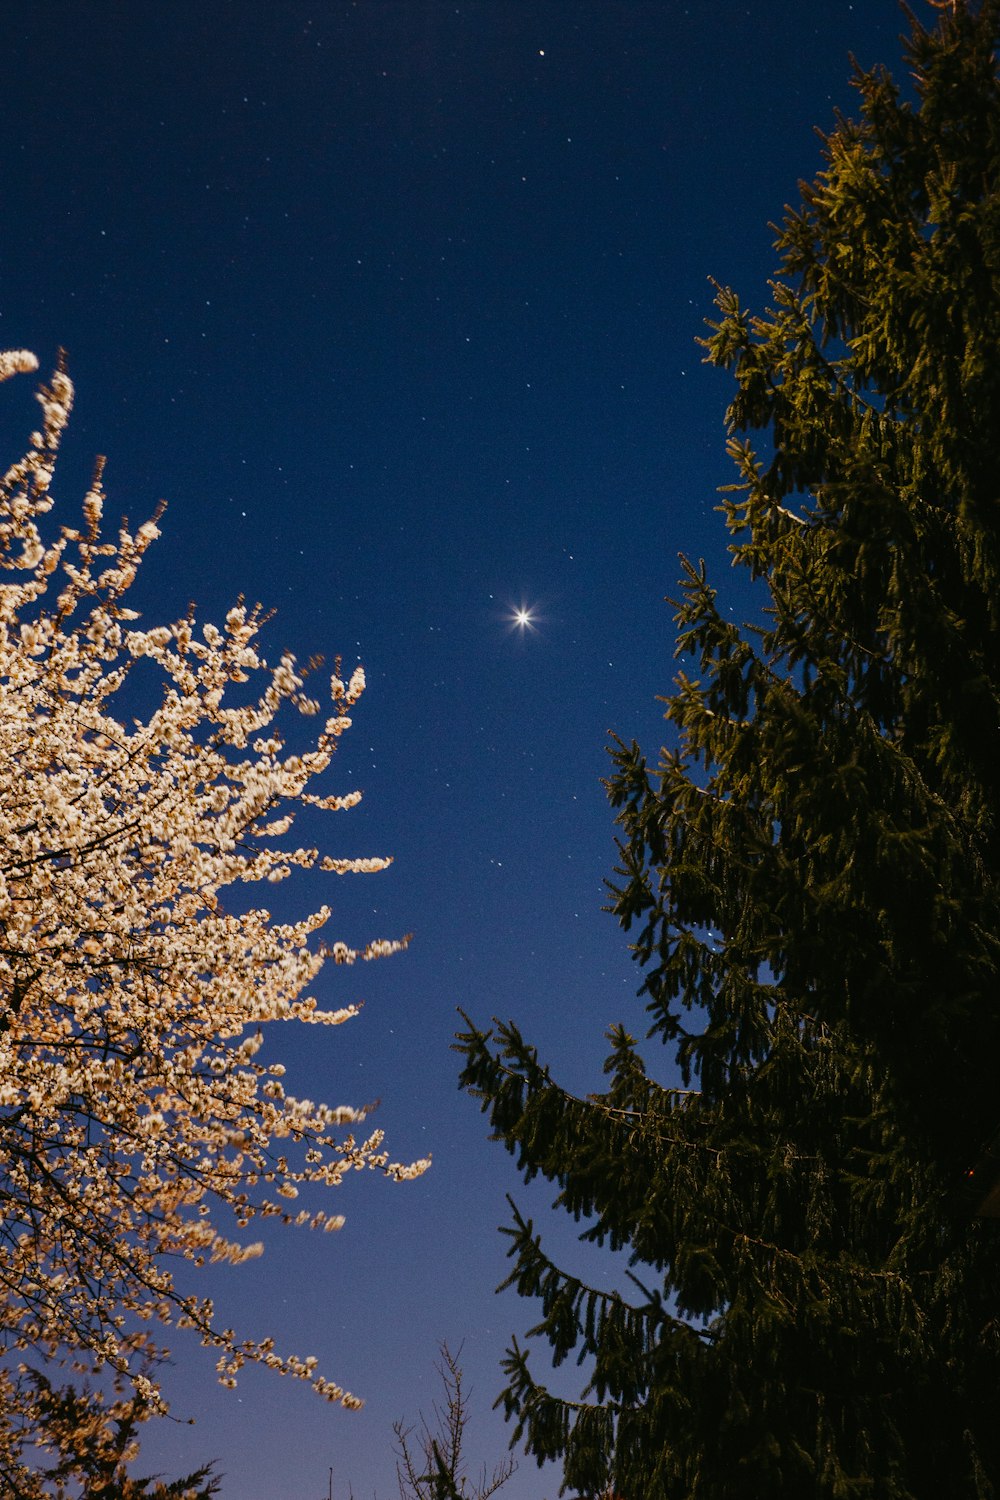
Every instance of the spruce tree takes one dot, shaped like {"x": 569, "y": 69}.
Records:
{"x": 811, "y": 878}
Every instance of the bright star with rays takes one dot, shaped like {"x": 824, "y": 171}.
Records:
{"x": 523, "y": 618}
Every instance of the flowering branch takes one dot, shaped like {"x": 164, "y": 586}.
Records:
{"x": 134, "y": 1116}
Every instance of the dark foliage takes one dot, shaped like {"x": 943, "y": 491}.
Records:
{"x": 812, "y": 881}
{"x": 86, "y": 1446}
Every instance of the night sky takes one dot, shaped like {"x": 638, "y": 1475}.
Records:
{"x": 395, "y": 303}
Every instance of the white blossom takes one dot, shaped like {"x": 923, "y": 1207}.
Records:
{"x": 17, "y": 362}
{"x": 136, "y": 981}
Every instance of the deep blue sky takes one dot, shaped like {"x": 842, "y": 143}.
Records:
{"x": 395, "y": 303}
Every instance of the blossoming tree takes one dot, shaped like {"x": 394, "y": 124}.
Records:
{"x": 136, "y": 1123}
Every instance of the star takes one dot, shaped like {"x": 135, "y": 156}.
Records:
{"x": 523, "y": 618}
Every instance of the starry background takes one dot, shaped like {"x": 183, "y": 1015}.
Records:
{"x": 395, "y": 303}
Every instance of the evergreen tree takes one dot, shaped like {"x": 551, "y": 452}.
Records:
{"x": 84, "y": 1445}
{"x": 812, "y": 878}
